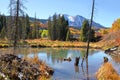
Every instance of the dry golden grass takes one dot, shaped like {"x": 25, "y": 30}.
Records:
{"x": 44, "y": 69}
{"x": 56, "y": 43}
{"x": 74, "y": 31}
{"x": 74, "y": 44}
{"x": 49, "y": 43}
{"x": 107, "y": 72}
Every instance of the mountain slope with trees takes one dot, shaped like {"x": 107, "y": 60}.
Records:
{"x": 112, "y": 38}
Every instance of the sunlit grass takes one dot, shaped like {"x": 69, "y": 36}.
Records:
{"x": 44, "y": 69}
{"x": 107, "y": 72}
{"x": 49, "y": 43}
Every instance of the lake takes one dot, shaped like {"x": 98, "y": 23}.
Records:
{"x": 65, "y": 70}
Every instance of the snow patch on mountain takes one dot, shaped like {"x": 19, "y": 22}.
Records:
{"x": 76, "y": 21}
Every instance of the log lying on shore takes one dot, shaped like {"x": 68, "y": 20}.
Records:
{"x": 114, "y": 51}
{"x": 14, "y": 68}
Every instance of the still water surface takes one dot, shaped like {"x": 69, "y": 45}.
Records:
{"x": 65, "y": 70}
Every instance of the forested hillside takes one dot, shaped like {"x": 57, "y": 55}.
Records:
{"x": 112, "y": 37}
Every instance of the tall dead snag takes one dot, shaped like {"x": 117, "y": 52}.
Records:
{"x": 16, "y": 23}
{"x": 16, "y": 10}
{"x": 89, "y": 32}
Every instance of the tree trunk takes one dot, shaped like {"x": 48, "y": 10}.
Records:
{"x": 91, "y": 20}
{"x": 16, "y": 25}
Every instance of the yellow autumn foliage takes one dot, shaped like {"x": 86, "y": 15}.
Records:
{"x": 116, "y": 25}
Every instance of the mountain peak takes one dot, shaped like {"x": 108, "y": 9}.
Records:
{"x": 73, "y": 21}
{"x": 76, "y": 21}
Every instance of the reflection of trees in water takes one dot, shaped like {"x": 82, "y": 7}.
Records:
{"x": 57, "y": 55}
{"x": 76, "y": 68}
{"x": 17, "y": 50}
{"x": 91, "y": 52}
{"x": 85, "y": 60}
{"x": 73, "y": 53}
{"x": 84, "y": 70}
{"x": 87, "y": 73}
{"x": 82, "y": 53}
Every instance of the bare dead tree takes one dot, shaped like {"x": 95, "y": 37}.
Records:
{"x": 17, "y": 11}
{"x": 10, "y": 22}
{"x": 89, "y": 32}
{"x": 16, "y": 23}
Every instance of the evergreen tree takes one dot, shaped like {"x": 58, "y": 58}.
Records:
{"x": 35, "y": 29}
{"x": 65, "y": 28}
{"x": 84, "y": 31}
{"x": 54, "y": 27}
{"x": 68, "y": 36}
{"x": 49, "y": 28}
{"x": 3, "y": 26}
{"x": 22, "y": 28}
{"x": 2, "y": 22}
{"x": 27, "y": 27}
{"x": 3, "y": 33}
{"x": 92, "y": 35}
{"x": 57, "y": 28}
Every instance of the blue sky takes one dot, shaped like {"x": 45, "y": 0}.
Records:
{"x": 106, "y": 11}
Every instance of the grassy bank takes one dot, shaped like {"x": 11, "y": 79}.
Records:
{"x": 48, "y": 43}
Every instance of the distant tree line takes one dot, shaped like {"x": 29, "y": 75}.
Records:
{"x": 58, "y": 28}
{"x": 25, "y": 30}
{"x": 35, "y": 33}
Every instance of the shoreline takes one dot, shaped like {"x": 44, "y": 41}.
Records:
{"x": 38, "y": 43}
{"x": 40, "y": 46}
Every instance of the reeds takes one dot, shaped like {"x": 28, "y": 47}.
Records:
{"x": 45, "y": 71}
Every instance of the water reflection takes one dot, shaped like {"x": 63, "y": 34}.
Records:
{"x": 76, "y": 68}
{"x": 86, "y": 67}
{"x": 65, "y": 70}
{"x": 87, "y": 72}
